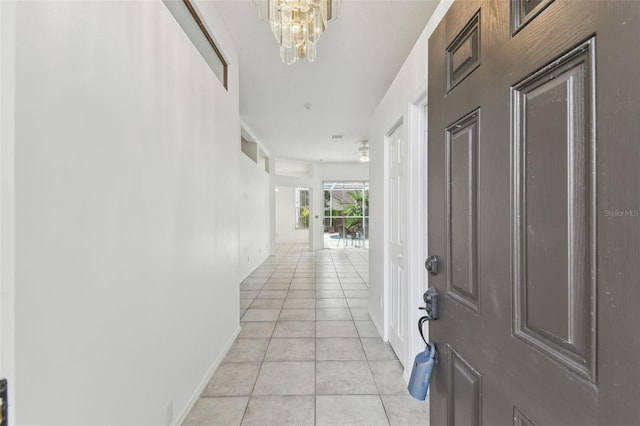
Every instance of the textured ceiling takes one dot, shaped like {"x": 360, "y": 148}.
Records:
{"x": 357, "y": 58}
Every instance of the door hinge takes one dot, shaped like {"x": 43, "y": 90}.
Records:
{"x": 4, "y": 403}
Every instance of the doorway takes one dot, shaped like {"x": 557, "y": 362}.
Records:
{"x": 398, "y": 303}
{"x": 346, "y": 214}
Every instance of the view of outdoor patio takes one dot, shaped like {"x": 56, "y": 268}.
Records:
{"x": 346, "y": 214}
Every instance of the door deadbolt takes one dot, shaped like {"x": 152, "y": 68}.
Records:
{"x": 431, "y": 264}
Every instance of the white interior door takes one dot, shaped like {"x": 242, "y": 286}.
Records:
{"x": 397, "y": 294}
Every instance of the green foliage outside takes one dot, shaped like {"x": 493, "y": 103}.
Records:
{"x": 304, "y": 217}
{"x": 356, "y": 210}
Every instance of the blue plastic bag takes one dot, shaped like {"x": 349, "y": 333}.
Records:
{"x": 421, "y": 372}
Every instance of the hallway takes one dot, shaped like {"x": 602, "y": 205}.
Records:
{"x": 308, "y": 353}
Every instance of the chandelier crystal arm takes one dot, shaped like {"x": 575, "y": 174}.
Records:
{"x": 297, "y": 24}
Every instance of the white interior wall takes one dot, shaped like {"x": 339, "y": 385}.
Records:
{"x": 286, "y": 231}
{"x": 254, "y": 215}
{"x": 126, "y": 205}
{"x": 399, "y": 104}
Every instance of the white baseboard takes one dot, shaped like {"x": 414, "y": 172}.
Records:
{"x": 377, "y": 326}
{"x": 205, "y": 380}
{"x": 406, "y": 375}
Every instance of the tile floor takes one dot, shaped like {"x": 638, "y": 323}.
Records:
{"x": 308, "y": 353}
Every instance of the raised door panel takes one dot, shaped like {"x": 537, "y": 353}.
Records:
{"x": 465, "y": 392}
{"x": 554, "y": 211}
{"x": 461, "y": 157}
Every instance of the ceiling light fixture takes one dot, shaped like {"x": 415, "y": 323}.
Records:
{"x": 364, "y": 152}
{"x": 297, "y": 24}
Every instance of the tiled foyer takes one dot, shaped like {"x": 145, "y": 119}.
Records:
{"x": 308, "y": 354}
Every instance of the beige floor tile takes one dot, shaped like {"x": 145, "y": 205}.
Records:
{"x": 344, "y": 377}
{"x": 356, "y": 294}
{"x": 353, "y": 287}
{"x": 256, "y": 329}
{"x": 299, "y": 303}
{"x": 339, "y": 349}
{"x": 326, "y": 276}
{"x": 291, "y": 349}
{"x": 331, "y": 303}
{"x": 358, "y": 303}
{"x": 295, "y": 329}
{"x": 250, "y": 287}
{"x": 333, "y": 314}
{"x": 233, "y": 379}
{"x": 304, "y": 351}
{"x": 276, "y": 286}
{"x": 286, "y": 378}
{"x": 267, "y": 303}
{"x": 283, "y": 275}
{"x": 280, "y": 411}
{"x": 352, "y": 410}
{"x": 304, "y": 280}
{"x": 255, "y": 280}
{"x": 367, "y": 329}
{"x": 301, "y": 294}
{"x": 328, "y": 287}
{"x": 272, "y": 294}
{"x": 360, "y": 314}
{"x": 261, "y": 315}
{"x": 329, "y": 294}
{"x": 224, "y": 411}
{"x": 403, "y": 410}
{"x": 279, "y": 280}
{"x": 349, "y": 277}
{"x": 336, "y": 329}
{"x": 248, "y": 294}
{"x": 388, "y": 377}
{"x": 351, "y": 280}
{"x": 377, "y": 350}
{"x": 307, "y": 287}
{"x": 247, "y": 350}
{"x": 297, "y": 315}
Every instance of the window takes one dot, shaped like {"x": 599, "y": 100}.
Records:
{"x": 302, "y": 208}
{"x": 186, "y": 13}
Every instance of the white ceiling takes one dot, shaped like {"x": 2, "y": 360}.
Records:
{"x": 357, "y": 58}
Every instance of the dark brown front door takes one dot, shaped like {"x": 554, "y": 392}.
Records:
{"x": 534, "y": 213}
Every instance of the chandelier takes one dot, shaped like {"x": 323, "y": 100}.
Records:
{"x": 297, "y": 24}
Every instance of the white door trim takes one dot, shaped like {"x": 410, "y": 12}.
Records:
{"x": 7, "y": 199}
{"x": 415, "y": 126}
{"x": 417, "y": 223}
{"x": 386, "y": 303}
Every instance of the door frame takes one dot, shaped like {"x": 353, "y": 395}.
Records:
{"x": 415, "y": 128}
{"x": 7, "y": 199}
{"x": 385, "y": 301}
{"x": 417, "y": 224}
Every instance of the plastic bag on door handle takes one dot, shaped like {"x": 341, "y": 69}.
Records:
{"x": 421, "y": 373}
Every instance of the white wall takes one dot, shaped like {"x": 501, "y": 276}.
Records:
{"x": 286, "y": 231}
{"x": 401, "y": 103}
{"x": 126, "y": 203}
{"x": 254, "y": 215}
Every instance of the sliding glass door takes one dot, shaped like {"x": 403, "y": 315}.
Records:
{"x": 346, "y": 214}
